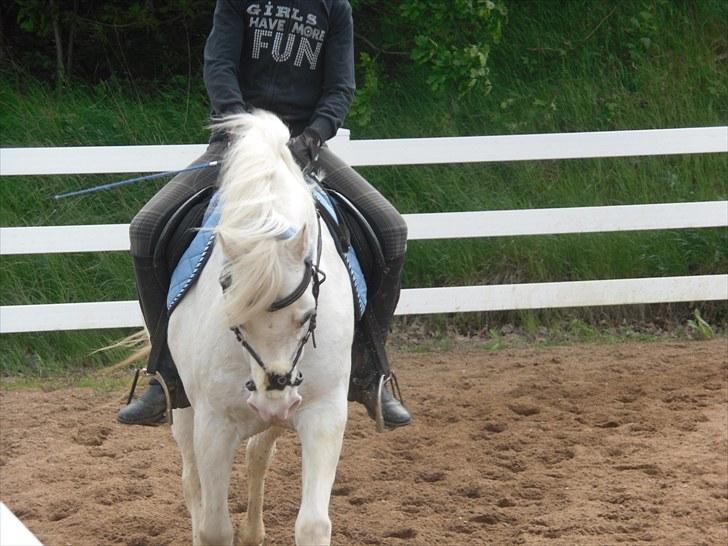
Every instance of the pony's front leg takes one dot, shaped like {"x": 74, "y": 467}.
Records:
{"x": 321, "y": 430}
{"x": 259, "y": 452}
{"x": 183, "y": 432}
{"x": 216, "y": 439}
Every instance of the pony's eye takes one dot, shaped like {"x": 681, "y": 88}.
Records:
{"x": 226, "y": 279}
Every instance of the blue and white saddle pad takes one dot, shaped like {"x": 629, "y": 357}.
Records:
{"x": 351, "y": 261}
{"x": 193, "y": 259}
{"x": 192, "y": 262}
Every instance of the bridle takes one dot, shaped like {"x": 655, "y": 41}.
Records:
{"x": 312, "y": 276}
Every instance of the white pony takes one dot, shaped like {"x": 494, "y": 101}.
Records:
{"x": 271, "y": 255}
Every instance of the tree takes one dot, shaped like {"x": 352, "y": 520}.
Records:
{"x": 45, "y": 19}
{"x": 451, "y": 39}
{"x": 99, "y": 38}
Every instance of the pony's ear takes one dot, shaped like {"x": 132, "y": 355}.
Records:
{"x": 229, "y": 249}
{"x": 298, "y": 244}
{"x": 220, "y": 238}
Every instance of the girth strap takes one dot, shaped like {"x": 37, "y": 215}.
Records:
{"x": 339, "y": 230}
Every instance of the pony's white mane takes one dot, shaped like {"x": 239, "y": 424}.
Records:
{"x": 263, "y": 195}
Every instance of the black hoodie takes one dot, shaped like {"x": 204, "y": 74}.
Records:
{"x": 292, "y": 57}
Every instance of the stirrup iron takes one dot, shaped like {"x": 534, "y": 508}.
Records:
{"x": 384, "y": 380}
{"x": 158, "y": 377}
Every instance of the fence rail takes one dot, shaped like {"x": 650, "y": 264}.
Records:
{"x": 442, "y": 225}
{"x": 132, "y": 159}
{"x": 398, "y": 151}
{"x": 452, "y": 299}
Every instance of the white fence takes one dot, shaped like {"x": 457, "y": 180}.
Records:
{"x": 128, "y": 159}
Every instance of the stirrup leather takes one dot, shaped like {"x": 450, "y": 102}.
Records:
{"x": 385, "y": 380}
{"x": 158, "y": 377}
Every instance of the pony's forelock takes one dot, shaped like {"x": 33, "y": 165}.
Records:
{"x": 258, "y": 171}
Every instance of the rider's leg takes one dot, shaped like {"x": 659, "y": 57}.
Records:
{"x": 150, "y": 408}
{"x": 391, "y": 231}
{"x": 152, "y": 286}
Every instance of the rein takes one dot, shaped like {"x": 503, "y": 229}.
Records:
{"x": 110, "y": 185}
{"x": 312, "y": 276}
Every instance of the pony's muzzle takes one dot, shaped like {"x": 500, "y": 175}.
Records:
{"x": 275, "y": 408}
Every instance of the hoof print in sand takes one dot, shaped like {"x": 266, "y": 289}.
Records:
{"x": 92, "y": 436}
{"x": 401, "y": 533}
{"x": 524, "y": 409}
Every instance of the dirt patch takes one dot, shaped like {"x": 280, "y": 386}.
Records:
{"x": 570, "y": 445}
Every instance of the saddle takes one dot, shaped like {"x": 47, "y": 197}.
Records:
{"x": 183, "y": 249}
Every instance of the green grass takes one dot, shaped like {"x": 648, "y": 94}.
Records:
{"x": 45, "y": 354}
{"x": 62, "y": 379}
{"x": 562, "y": 66}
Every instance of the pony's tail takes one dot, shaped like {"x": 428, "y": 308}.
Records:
{"x": 138, "y": 342}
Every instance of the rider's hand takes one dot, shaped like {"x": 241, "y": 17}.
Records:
{"x": 305, "y": 147}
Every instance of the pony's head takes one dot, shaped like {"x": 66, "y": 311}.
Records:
{"x": 268, "y": 232}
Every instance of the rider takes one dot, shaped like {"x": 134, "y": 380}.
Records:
{"x": 296, "y": 59}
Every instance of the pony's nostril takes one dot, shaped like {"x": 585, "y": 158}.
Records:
{"x": 279, "y": 408}
{"x": 291, "y": 408}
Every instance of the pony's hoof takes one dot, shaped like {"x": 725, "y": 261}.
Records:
{"x": 245, "y": 539}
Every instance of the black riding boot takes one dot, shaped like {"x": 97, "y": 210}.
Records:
{"x": 369, "y": 358}
{"x": 364, "y": 386}
{"x": 150, "y": 408}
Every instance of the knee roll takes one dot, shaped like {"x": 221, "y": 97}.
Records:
{"x": 141, "y": 236}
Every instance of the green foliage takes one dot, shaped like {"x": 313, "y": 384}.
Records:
{"x": 582, "y": 330}
{"x": 641, "y": 32}
{"x": 143, "y": 40}
{"x": 699, "y": 328}
{"x": 95, "y": 40}
{"x": 497, "y": 341}
{"x": 453, "y": 39}
{"x": 362, "y": 108}
{"x": 35, "y": 17}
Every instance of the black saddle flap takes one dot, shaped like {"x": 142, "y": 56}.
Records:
{"x": 363, "y": 239}
{"x": 179, "y": 232}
